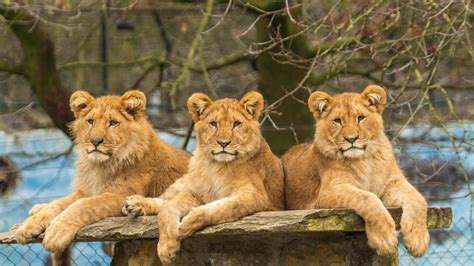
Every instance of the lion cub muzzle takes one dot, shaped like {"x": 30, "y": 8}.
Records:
{"x": 224, "y": 152}
{"x": 97, "y": 141}
{"x": 96, "y": 150}
{"x": 353, "y": 147}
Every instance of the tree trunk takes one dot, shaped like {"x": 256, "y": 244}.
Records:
{"x": 39, "y": 65}
{"x": 276, "y": 79}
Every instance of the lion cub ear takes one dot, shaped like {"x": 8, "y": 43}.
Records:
{"x": 81, "y": 102}
{"x": 253, "y": 103}
{"x": 134, "y": 102}
{"x": 318, "y": 103}
{"x": 197, "y": 103}
{"x": 375, "y": 97}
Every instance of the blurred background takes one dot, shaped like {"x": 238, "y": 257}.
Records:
{"x": 421, "y": 52}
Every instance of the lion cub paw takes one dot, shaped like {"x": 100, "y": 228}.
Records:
{"x": 134, "y": 206}
{"x": 25, "y": 233}
{"x": 194, "y": 221}
{"x": 382, "y": 236}
{"x": 30, "y": 229}
{"x": 167, "y": 249}
{"x": 58, "y": 236}
{"x": 415, "y": 238}
{"x": 36, "y": 208}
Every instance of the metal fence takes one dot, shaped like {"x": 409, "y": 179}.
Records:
{"x": 90, "y": 253}
{"x": 452, "y": 247}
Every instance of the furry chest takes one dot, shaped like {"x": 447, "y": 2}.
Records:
{"x": 371, "y": 176}
{"x": 213, "y": 187}
{"x": 93, "y": 182}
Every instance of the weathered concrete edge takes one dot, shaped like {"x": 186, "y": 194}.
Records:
{"x": 301, "y": 221}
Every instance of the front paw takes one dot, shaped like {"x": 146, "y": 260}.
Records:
{"x": 30, "y": 229}
{"x": 36, "y": 208}
{"x": 415, "y": 236}
{"x": 382, "y": 236}
{"x": 167, "y": 249}
{"x": 134, "y": 206}
{"x": 25, "y": 234}
{"x": 194, "y": 221}
{"x": 58, "y": 236}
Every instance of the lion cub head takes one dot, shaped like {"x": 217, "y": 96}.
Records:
{"x": 109, "y": 127}
{"x": 348, "y": 125}
{"x": 226, "y": 129}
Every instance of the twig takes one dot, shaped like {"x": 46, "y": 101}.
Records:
{"x": 226, "y": 11}
{"x": 194, "y": 45}
{"x": 188, "y": 136}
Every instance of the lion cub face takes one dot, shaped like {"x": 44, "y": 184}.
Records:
{"x": 227, "y": 129}
{"x": 348, "y": 124}
{"x": 107, "y": 127}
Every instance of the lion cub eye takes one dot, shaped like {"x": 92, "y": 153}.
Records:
{"x": 213, "y": 124}
{"x": 90, "y": 121}
{"x": 360, "y": 118}
{"x": 338, "y": 121}
{"x": 113, "y": 123}
{"x": 236, "y": 124}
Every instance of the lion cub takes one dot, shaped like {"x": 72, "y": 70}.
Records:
{"x": 233, "y": 173}
{"x": 351, "y": 164}
{"x": 118, "y": 154}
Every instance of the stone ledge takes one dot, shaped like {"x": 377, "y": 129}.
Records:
{"x": 301, "y": 221}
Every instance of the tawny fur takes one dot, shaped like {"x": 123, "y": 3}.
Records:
{"x": 219, "y": 187}
{"x": 333, "y": 173}
{"x": 129, "y": 159}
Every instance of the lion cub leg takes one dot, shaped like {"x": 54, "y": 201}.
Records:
{"x": 414, "y": 228}
{"x": 223, "y": 210}
{"x": 83, "y": 212}
{"x": 379, "y": 225}
{"x": 41, "y": 216}
{"x": 138, "y": 205}
{"x": 170, "y": 215}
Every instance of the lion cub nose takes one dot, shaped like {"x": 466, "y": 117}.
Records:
{"x": 224, "y": 143}
{"x": 351, "y": 139}
{"x": 96, "y": 142}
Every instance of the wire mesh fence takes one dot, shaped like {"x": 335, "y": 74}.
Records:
{"x": 90, "y": 253}
{"x": 453, "y": 246}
